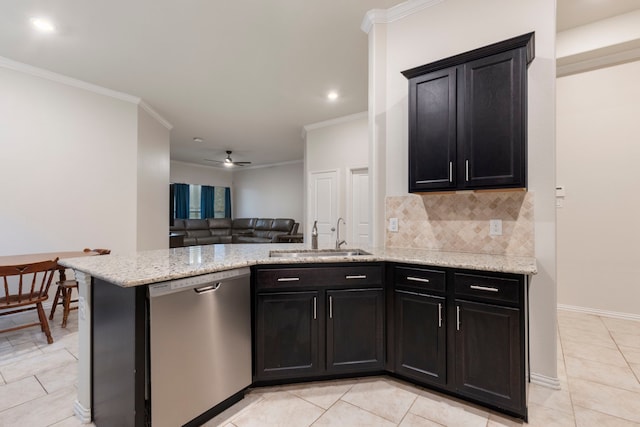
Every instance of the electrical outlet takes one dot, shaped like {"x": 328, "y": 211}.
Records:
{"x": 495, "y": 227}
{"x": 393, "y": 224}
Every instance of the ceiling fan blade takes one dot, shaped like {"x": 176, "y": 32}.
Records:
{"x": 211, "y": 160}
{"x": 241, "y": 163}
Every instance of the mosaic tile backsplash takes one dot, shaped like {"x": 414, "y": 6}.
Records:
{"x": 459, "y": 222}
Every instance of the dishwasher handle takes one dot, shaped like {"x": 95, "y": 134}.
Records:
{"x": 209, "y": 288}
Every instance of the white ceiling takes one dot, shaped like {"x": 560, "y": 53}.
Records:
{"x": 243, "y": 75}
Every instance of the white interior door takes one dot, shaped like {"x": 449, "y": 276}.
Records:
{"x": 323, "y": 206}
{"x": 360, "y": 218}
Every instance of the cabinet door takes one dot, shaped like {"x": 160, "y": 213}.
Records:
{"x": 432, "y": 131}
{"x": 493, "y": 140}
{"x": 420, "y": 334}
{"x": 489, "y": 354}
{"x": 286, "y": 335}
{"x": 355, "y": 334}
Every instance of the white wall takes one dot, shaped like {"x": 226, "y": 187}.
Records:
{"x": 598, "y": 157}
{"x": 269, "y": 192}
{"x": 189, "y": 173}
{"x": 68, "y": 175}
{"x": 341, "y": 144}
{"x": 443, "y": 30}
{"x": 153, "y": 178}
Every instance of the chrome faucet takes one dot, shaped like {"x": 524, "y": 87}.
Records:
{"x": 338, "y": 241}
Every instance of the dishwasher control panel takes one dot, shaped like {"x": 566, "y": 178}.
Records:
{"x": 171, "y": 286}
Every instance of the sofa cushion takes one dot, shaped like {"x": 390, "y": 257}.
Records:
{"x": 220, "y": 226}
{"x": 242, "y": 238}
{"x": 262, "y": 228}
{"x": 243, "y": 225}
{"x": 282, "y": 224}
{"x": 178, "y": 225}
{"x": 197, "y": 228}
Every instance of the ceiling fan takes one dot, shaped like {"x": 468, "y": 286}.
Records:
{"x": 228, "y": 161}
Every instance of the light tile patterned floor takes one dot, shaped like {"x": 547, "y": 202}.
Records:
{"x": 598, "y": 366}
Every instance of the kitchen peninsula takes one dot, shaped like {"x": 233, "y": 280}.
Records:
{"x": 453, "y": 284}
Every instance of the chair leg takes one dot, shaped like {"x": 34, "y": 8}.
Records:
{"x": 44, "y": 323}
{"x": 67, "y": 307}
{"x": 55, "y": 302}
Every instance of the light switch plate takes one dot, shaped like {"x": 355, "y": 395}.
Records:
{"x": 495, "y": 227}
{"x": 393, "y": 224}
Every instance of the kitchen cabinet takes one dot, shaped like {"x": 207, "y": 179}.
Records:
{"x": 468, "y": 119}
{"x": 462, "y": 332}
{"x": 287, "y": 339}
{"x": 314, "y": 321}
{"x": 420, "y": 327}
{"x": 490, "y": 339}
{"x": 355, "y": 330}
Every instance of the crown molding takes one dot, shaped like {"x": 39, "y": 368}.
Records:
{"x": 270, "y": 165}
{"x": 332, "y": 122}
{"x": 69, "y": 81}
{"x": 567, "y": 66}
{"x": 153, "y": 113}
{"x": 402, "y": 10}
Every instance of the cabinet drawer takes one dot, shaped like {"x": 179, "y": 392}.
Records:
{"x": 420, "y": 278}
{"x": 488, "y": 288}
{"x": 319, "y": 276}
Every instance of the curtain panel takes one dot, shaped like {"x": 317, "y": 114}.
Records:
{"x": 227, "y": 202}
{"x": 182, "y": 200}
{"x": 207, "y": 201}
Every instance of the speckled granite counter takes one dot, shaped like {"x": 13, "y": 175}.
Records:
{"x": 146, "y": 267}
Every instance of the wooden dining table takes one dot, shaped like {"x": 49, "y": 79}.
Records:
{"x": 44, "y": 256}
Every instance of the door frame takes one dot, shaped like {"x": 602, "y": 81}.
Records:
{"x": 351, "y": 171}
{"x": 309, "y": 219}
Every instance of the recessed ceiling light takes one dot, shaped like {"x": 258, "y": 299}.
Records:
{"x": 198, "y": 139}
{"x": 43, "y": 25}
{"x": 332, "y": 96}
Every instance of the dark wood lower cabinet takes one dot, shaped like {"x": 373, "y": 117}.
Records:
{"x": 462, "y": 332}
{"x": 488, "y": 361}
{"x": 287, "y": 337}
{"x": 421, "y": 337}
{"x": 355, "y": 330}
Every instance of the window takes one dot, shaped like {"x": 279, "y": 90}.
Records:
{"x": 194, "y": 201}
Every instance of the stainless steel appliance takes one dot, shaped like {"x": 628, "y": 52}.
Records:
{"x": 199, "y": 344}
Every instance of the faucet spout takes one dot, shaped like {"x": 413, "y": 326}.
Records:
{"x": 338, "y": 241}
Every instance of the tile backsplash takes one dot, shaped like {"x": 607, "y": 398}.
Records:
{"x": 459, "y": 222}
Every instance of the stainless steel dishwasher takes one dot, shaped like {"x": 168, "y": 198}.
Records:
{"x": 199, "y": 344}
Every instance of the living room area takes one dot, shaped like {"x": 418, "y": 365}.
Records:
{"x": 265, "y": 202}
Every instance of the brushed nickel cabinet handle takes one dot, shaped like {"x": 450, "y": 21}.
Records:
{"x": 315, "y": 308}
{"x": 288, "y": 279}
{"x": 439, "y": 315}
{"x": 417, "y": 279}
{"x": 457, "y": 317}
{"x": 356, "y": 276}
{"x": 466, "y": 169}
{"x": 330, "y": 307}
{"x": 450, "y": 171}
{"x": 484, "y": 288}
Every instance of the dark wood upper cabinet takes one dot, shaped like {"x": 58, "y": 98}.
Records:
{"x": 468, "y": 119}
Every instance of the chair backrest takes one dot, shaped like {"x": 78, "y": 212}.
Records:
{"x": 98, "y": 251}
{"x": 26, "y": 283}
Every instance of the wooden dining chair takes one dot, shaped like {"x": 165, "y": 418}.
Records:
{"x": 65, "y": 288}
{"x": 26, "y": 286}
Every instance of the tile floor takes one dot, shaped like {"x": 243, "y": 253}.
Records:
{"x": 598, "y": 365}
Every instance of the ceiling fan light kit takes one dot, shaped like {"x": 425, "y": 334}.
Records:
{"x": 228, "y": 161}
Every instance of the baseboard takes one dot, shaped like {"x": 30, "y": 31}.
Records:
{"x": 598, "y": 312}
{"x": 545, "y": 381}
{"x": 81, "y": 413}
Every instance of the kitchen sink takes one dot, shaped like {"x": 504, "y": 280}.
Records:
{"x": 318, "y": 253}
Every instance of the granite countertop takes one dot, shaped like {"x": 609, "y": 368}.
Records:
{"x": 144, "y": 267}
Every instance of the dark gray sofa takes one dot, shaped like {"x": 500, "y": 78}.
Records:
{"x": 225, "y": 230}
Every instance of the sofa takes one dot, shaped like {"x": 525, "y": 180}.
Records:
{"x": 225, "y": 230}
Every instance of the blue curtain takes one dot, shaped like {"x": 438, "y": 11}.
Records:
{"x": 182, "y": 200}
{"x": 207, "y": 199}
{"x": 227, "y": 202}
